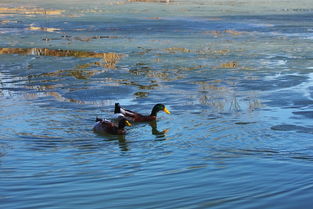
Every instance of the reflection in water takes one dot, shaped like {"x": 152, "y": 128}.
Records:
{"x": 121, "y": 139}
{"x": 155, "y": 131}
{"x": 122, "y": 143}
{"x": 255, "y": 103}
{"x": 225, "y": 98}
{"x": 213, "y": 95}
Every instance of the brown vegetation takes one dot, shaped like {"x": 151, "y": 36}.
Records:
{"x": 110, "y": 58}
{"x": 177, "y": 49}
{"x": 228, "y": 65}
{"x": 30, "y": 11}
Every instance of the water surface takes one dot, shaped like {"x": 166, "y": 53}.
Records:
{"x": 237, "y": 79}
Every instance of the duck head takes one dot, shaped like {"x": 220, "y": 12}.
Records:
{"x": 159, "y": 107}
{"x": 123, "y": 122}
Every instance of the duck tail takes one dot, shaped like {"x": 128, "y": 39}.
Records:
{"x": 117, "y": 108}
{"x": 98, "y": 119}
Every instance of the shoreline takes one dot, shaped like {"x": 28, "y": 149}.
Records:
{"x": 158, "y": 7}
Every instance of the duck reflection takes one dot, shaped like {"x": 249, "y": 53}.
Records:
{"x": 156, "y": 132}
{"x": 121, "y": 139}
{"x": 122, "y": 142}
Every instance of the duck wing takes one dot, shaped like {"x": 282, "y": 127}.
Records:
{"x": 107, "y": 124}
{"x": 125, "y": 112}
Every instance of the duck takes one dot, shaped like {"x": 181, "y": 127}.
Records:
{"x": 105, "y": 126}
{"x": 137, "y": 117}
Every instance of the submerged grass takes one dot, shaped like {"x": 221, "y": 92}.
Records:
{"x": 110, "y": 58}
{"x": 228, "y": 65}
{"x": 30, "y": 11}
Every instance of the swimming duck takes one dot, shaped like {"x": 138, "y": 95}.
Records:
{"x": 136, "y": 117}
{"x": 105, "y": 126}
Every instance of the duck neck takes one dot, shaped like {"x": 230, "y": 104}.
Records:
{"x": 121, "y": 125}
{"x": 154, "y": 112}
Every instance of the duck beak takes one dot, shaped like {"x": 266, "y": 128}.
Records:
{"x": 166, "y": 110}
{"x": 128, "y": 123}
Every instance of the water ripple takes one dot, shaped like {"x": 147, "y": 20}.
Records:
{"x": 238, "y": 88}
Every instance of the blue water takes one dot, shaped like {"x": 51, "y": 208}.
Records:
{"x": 239, "y": 88}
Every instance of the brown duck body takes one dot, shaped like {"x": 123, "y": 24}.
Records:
{"x": 137, "y": 117}
{"x": 107, "y": 127}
